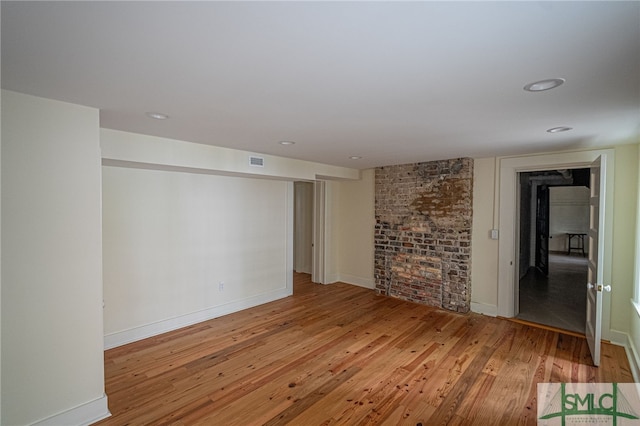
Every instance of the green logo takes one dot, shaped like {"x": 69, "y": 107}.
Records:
{"x": 587, "y": 402}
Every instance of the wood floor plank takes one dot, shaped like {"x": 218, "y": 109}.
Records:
{"x": 342, "y": 355}
{"x": 454, "y": 398}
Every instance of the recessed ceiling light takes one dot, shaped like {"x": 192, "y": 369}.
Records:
{"x": 286, "y": 143}
{"x": 157, "y": 115}
{"x": 542, "y": 85}
{"x": 355, "y": 157}
{"x": 559, "y": 129}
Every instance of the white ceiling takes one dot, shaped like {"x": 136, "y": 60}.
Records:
{"x": 393, "y": 82}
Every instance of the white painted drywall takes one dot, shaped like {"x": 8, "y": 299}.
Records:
{"x": 136, "y": 150}
{"x": 172, "y": 238}
{"x": 52, "y": 346}
{"x": 355, "y": 216}
{"x": 568, "y": 212}
{"x": 634, "y": 316}
{"x": 0, "y": 252}
{"x": 624, "y": 219}
{"x": 484, "y": 250}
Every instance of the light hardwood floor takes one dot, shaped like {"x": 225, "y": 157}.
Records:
{"x": 340, "y": 354}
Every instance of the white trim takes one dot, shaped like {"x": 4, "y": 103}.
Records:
{"x": 484, "y": 309}
{"x": 634, "y": 359}
{"x": 81, "y": 415}
{"x": 356, "y": 280}
{"x": 331, "y": 278}
{"x": 621, "y": 338}
{"x": 636, "y": 306}
{"x": 636, "y": 272}
{"x": 291, "y": 213}
{"x": 319, "y": 232}
{"x": 138, "y": 333}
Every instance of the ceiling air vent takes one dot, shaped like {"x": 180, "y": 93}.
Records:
{"x": 256, "y": 161}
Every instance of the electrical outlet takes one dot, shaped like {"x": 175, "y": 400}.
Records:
{"x": 221, "y": 286}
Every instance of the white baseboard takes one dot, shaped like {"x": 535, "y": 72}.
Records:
{"x": 484, "y": 309}
{"x": 634, "y": 360}
{"x": 359, "y": 281}
{"x": 331, "y": 278}
{"x": 624, "y": 339}
{"x": 82, "y": 415}
{"x": 138, "y": 333}
{"x": 616, "y": 337}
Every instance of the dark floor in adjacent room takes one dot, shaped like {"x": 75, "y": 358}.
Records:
{"x": 558, "y": 300}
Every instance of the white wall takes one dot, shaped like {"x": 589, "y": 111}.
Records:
{"x": 634, "y": 317}
{"x": 52, "y": 347}
{"x": 0, "y": 252}
{"x": 0, "y": 255}
{"x": 484, "y": 250}
{"x": 128, "y": 157}
{"x": 620, "y": 266}
{"x": 568, "y": 212}
{"x": 624, "y": 218}
{"x": 355, "y": 217}
{"x": 171, "y": 238}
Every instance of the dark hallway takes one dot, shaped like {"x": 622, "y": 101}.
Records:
{"x": 558, "y": 300}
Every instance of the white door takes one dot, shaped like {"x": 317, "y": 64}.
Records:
{"x": 595, "y": 285}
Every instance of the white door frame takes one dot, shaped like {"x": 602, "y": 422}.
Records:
{"x": 507, "y": 248}
{"x": 319, "y": 203}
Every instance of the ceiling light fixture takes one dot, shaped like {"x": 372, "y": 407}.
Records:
{"x": 287, "y": 143}
{"x": 157, "y": 115}
{"x": 559, "y": 129}
{"x": 355, "y": 157}
{"x": 542, "y": 85}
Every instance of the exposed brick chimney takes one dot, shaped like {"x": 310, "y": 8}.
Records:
{"x": 423, "y": 232}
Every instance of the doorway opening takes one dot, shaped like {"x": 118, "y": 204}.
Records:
{"x": 553, "y": 265}
{"x": 303, "y": 227}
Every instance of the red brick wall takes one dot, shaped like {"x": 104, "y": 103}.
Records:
{"x": 423, "y": 232}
